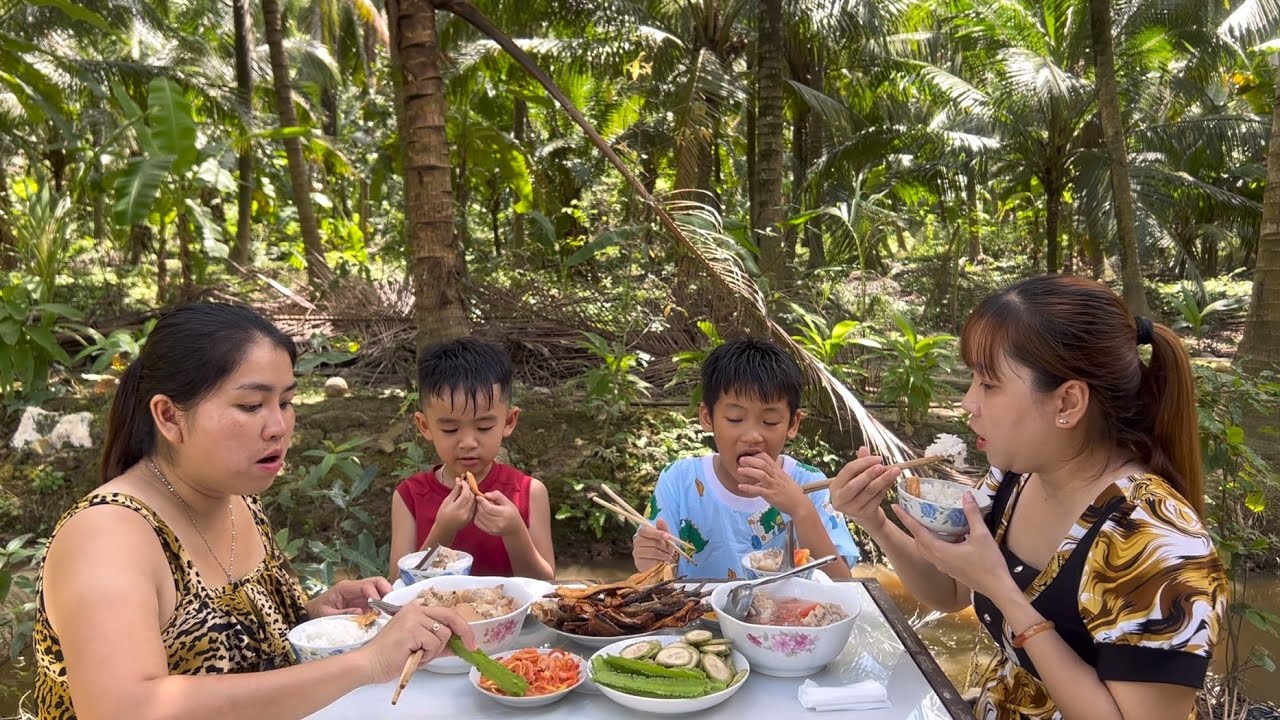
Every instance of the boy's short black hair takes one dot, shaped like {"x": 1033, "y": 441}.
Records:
{"x": 468, "y": 365}
{"x": 755, "y": 368}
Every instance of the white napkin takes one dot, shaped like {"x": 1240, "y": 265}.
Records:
{"x": 866, "y": 695}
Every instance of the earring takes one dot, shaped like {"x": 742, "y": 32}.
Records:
{"x": 1062, "y": 421}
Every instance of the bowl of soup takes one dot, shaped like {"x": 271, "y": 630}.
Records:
{"x": 795, "y": 626}
{"x": 939, "y": 505}
{"x": 494, "y": 607}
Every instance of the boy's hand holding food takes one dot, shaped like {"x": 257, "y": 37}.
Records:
{"x": 497, "y": 515}
{"x": 457, "y": 509}
{"x": 771, "y": 482}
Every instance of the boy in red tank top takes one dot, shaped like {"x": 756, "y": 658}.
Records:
{"x": 465, "y": 390}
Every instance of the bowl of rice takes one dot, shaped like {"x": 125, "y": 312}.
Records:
{"x": 940, "y": 505}
{"x": 331, "y": 635}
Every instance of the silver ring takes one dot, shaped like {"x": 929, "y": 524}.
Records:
{"x": 435, "y": 627}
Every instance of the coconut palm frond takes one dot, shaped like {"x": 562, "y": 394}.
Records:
{"x": 834, "y": 113}
{"x": 723, "y": 270}
{"x": 1252, "y": 21}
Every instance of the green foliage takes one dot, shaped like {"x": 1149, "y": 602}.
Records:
{"x": 910, "y": 363}
{"x": 1240, "y": 484}
{"x": 825, "y": 342}
{"x": 28, "y": 346}
{"x": 118, "y": 349}
{"x": 629, "y": 461}
{"x": 614, "y": 385}
{"x": 1195, "y": 316}
{"x": 689, "y": 362}
{"x": 43, "y": 232}
{"x": 325, "y": 503}
{"x": 17, "y": 557}
{"x": 47, "y": 479}
{"x": 326, "y": 351}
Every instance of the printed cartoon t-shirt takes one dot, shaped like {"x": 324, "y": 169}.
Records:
{"x": 724, "y": 527}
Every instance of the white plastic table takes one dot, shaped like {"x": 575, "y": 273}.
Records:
{"x": 882, "y": 648}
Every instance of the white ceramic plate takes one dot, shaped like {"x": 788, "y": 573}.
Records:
{"x": 536, "y": 700}
{"x": 673, "y": 706}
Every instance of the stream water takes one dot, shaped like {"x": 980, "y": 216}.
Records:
{"x": 951, "y": 638}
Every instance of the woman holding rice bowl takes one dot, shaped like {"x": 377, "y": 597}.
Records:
{"x": 1093, "y": 571}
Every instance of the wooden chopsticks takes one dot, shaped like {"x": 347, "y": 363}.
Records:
{"x": 918, "y": 462}
{"x": 624, "y": 510}
{"x": 409, "y": 667}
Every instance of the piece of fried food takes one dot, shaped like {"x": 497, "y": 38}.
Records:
{"x": 471, "y": 483}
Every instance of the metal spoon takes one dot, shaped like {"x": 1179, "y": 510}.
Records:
{"x": 789, "y": 555}
{"x": 384, "y": 606}
{"x": 738, "y": 603}
{"x": 426, "y": 559}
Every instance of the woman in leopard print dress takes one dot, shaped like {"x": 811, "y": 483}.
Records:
{"x": 1093, "y": 572}
{"x": 163, "y": 593}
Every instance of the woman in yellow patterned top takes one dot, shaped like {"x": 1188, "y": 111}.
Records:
{"x": 163, "y": 593}
{"x": 1093, "y": 571}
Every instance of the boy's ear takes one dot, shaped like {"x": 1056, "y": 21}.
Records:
{"x": 704, "y": 415}
{"x": 794, "y": 426}
{"x": 513, "y": 417}
{"x": 424, "y": 429}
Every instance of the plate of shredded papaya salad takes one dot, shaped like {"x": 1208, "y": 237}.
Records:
{"x": 544, "y": 676}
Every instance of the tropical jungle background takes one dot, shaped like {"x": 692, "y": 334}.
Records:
{"x": 610, "y": 187}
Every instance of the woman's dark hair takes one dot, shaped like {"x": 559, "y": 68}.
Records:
{"x": 189, "y": 353}
{"x": 754, "y": 368}
{"x": 1065, "y": 327}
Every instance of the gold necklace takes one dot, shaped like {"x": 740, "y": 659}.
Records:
{"x": 231, "y": 562}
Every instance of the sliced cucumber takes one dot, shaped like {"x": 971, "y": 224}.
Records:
{"x": 698, "y": 637}
{"x": 676, "y": 656}
{"x": 718, "y": 641}
{"x": 716, "y": 669}
{"x": 641, "y": 650}
{"x": 721, "y": 650}
{"x": 737, "y": 678}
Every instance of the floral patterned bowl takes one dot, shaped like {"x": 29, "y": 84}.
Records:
{"x": 494, "y": 635}
{"x": 943, "y": 513}
{"x": 784, "y": 651}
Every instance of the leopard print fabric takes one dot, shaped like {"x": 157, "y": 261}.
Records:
{"x": 241, "y": 627}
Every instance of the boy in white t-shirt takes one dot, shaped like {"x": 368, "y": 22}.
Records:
{"x": 739, "y": 499}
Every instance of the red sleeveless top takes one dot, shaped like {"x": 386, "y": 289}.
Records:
{"x": 423, "y": 494}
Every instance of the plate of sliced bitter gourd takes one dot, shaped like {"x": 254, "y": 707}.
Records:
{"x": 670, "y": 674}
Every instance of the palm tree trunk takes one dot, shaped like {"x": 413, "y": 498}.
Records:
{"x": 8, "y": 243}
{"x": 769, "y": 144}
{"x": 1135, "y": 296}
{"x": 817, "y": 144}
{"x": 437, "y": 267}
{"x": 299, "y": 174}
{"x": 244, "y": 96}
{"x": 1260, "y": 347}
{"x": 183, "y": 228}
{"x": 1052, "y": 216}
{"x": 519, "y": 129}
{"x": 971, "y": 199}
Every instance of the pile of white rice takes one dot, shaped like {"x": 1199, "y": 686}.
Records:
{"x": 943, "y": 494}
{"x": 332, "y": 632}
{"x": 949, "y": 445}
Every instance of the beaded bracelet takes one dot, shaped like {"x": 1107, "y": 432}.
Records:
{"x": 1021, "y": 638}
